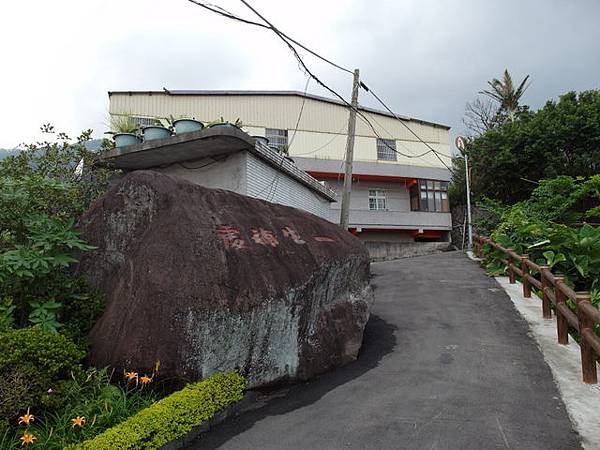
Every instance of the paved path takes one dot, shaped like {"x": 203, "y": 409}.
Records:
{"x": 446, "y": 364}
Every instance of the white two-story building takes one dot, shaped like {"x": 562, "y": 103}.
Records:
{"x": 397, "y": 194}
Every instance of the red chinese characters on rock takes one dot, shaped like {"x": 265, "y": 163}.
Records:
{"x": 289, "y": 232}
{"x": 323, "y": 239}
{"x": 231, "y": 237}
{"x": 264, "y": 237}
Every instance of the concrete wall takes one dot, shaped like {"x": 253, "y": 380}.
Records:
{"x": 381, "y": 251}
{"x": 229, "y": 173}
{"x": 321, "y": 130}
{"x": 398, "y": 214}
{"x": 246, "y": 174}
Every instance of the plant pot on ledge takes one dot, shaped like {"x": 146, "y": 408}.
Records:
{"x": 155, "y": 132}
{"x": 125, "y": 139}
{"x": 187, "y": 125}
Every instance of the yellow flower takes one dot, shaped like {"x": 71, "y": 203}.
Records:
{"x": 26, "y": 419}
{"x": 27, "y": 439}
{"x": 146, "y": 379}
{"x": 78, "y": 421}
{"x": 131, "y": 376}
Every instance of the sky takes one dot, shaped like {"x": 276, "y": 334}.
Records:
{"x": 424, "y": 58}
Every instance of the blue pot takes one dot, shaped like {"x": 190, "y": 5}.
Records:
{"x": 155, "y": 132}
{"x": 125, "y": 139}
{"x": 187, "y": 125}
{"x": 223, "y": 125}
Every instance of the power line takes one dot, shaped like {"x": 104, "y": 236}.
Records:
{"x": 405, "y": 125}
{"x": 288, "y": 41}
{"x": 223, "y": 12}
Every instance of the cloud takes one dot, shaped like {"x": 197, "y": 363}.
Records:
{"x": 426, "y": 58}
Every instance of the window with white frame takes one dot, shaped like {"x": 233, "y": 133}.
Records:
{"x": 386, "y": 150}
{"x": 377, "y": 200}
{"x": 277, "y": 138}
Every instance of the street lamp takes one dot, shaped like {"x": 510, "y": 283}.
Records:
{"x": 461, "y": 144}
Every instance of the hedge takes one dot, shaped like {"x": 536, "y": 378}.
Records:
{"x": 172, "y": 417}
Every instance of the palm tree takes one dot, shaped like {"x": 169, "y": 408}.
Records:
{"x": 504, "y": 92}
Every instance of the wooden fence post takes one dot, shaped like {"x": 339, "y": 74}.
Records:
{"x": 588, "y": 357}
{"x": 546, "y": 311}
{"x": 510, "y": 260}
{"x": 562, "y": 326}
{"x": 525, "y": 280}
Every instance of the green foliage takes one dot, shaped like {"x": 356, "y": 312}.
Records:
{"x": 562, "y": 138}
{"x": 41, "y": 196}
{"x": 7, "y": 310}
{"x": 56, "y": 160}
{"x": 574, "y": 252}
{"x": 488, "y": 215}
{"x": 173, "y": 416}
{"x": 123, "y": 123}
{"x": 44, "y": 315}
{"x": 36, "y": 246}
{"x": 91, "y": 395}
{"x": 44, "y": 359}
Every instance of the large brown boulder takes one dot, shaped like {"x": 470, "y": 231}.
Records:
{"x": 207, "y": 280}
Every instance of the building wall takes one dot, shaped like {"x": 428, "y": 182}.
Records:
{"x": 229, "y": 173}
{"x": 398, "y": 214}
{"x": 321, "y": 130}
{"x": 246, "y": 174}
{"x": 267, "y": 183}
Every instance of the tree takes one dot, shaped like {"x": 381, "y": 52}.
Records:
{"x": 480, "y": 115}
{"x": 562, "y": 138}
{"x": 504, "y": 92}
{"x": 43, "y": 190}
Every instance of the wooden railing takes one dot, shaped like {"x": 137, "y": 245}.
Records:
{"x": 555, "y": 292}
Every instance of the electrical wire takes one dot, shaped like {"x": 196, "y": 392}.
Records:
{"x": 288, "y": 41}
{"x": 223, "y": 12}
{"x": 407, "y": 127}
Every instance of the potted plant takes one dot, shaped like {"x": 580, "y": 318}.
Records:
{"x": 156, "y": 131}
{"x": 222, "y": 123}
{"x": 185, "y": 124}
{"x": 124, "y": 130}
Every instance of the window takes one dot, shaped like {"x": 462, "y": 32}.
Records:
{"x": 377, "y": 200}
{"x": 386, "y": 150}
{"x": 429, "y": 195}
{"x": 277, "y": 138}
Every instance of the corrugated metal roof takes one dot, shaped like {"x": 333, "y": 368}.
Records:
{"x": 273, "y": 93}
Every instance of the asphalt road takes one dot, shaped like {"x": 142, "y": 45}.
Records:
{"x": 446, "y": 363}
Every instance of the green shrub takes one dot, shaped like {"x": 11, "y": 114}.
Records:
{"x": 173, "y": 416}
{"x": 43, "y": 359}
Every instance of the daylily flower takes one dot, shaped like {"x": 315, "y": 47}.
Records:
{"x": 27, "y": 418}
{"x": 27, "y": 439}
{"x": 78, "y": 421}
{"x": 131, "y": 376}
{"x": 146, "y": 379}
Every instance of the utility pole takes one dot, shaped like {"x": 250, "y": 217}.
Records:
{"x": 345, "y": 214}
